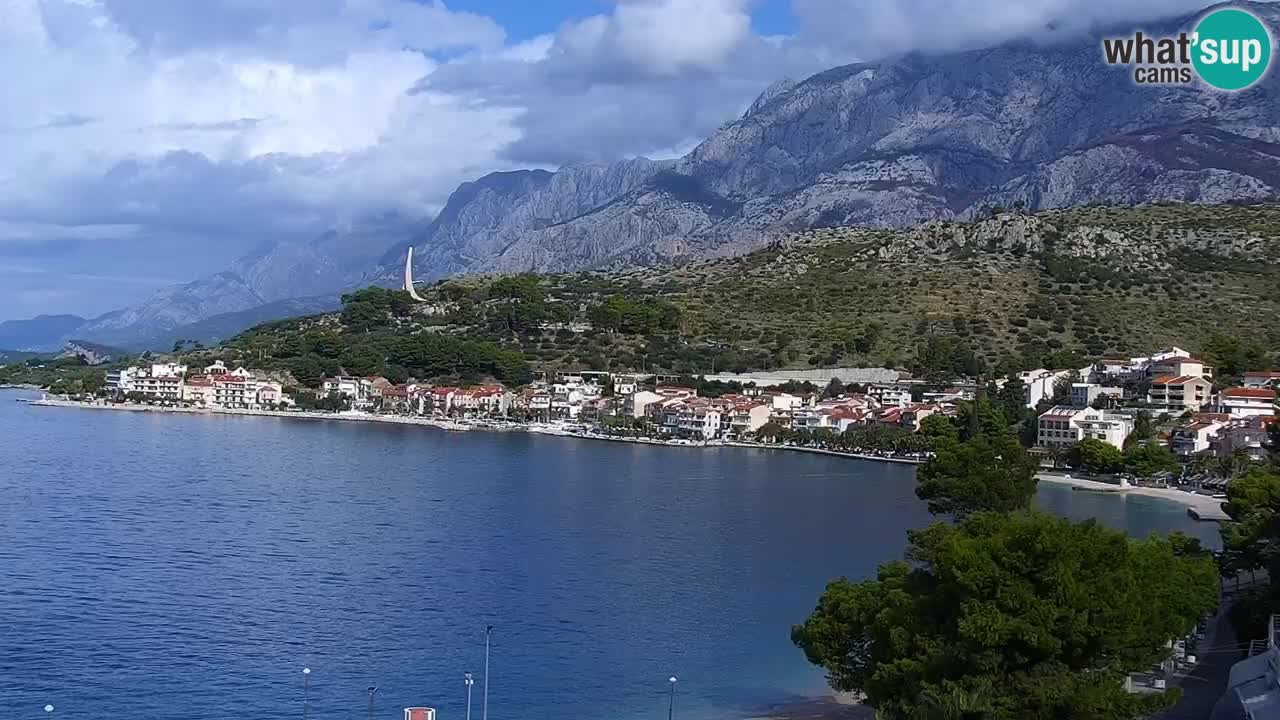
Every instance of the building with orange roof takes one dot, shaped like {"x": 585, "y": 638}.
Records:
{"x": 1176, "y": 394}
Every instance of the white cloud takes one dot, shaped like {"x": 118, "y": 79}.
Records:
{"x": 221, "y": 123}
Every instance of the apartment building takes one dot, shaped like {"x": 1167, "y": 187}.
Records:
{"x": 1176, "y": 394}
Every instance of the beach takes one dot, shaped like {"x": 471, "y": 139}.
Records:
{"x": 1203, "y": 506}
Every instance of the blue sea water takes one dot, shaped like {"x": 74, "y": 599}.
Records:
{"x": 163, "y": 566}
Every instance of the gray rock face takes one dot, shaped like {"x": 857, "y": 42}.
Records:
{"x": 292, "y": 268}
{"x": 891, "y": 143}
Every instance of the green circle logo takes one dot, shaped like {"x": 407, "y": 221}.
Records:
{"x": 1232, "y": 49}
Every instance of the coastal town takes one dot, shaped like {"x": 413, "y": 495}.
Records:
{"x": 1171, "y": 398}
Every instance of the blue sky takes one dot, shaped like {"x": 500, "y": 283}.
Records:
{"x": 525, "y": 20}
{"x": 151, "y": 142}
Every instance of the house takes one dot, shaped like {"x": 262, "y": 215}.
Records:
{"x": 270, "y": 393}
{"x": 482, "y": 400}
{"x": 1262, "y": 379}
{"x": 1178, "y": 366}
{"x": 624, "y": 385}
{"x": 891, "y": 395}
{"x": 349, "y": 387}
{"x": 697, "y": 419}
{"x": 1108, "y": 369}
{"x": 913, "y": 415}
{"x": 1111, "y": 428}
{"x": 1246, "y": 402}
{"x": 1176, "y": 394}
{"x": 1038, "y": 385}
{"x": 1248, "y": 435}
{"x": 167, "y": 370}
{"x": 397, "y": 399}
{"x": 1083, "y": 395}
{"x": 1195, "y": 437}
{"x": 442, "y": 399}
{"x": 639, "y": 403}
{"x": 198, "y": 390}
{"x": 746, "y": 415}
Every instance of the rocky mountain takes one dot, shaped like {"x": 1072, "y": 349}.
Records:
{"x": 301, "y": 270}
{"x": 889, "y": 143}
{"x": 40, "y": 333}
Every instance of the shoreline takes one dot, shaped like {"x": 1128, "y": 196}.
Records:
{"x": 1200, "y": 507}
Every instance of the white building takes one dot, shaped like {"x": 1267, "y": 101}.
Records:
{"x": 1262, "y": 379}
{"x": 165, "y": 388}
{"x": 355, "y": 389}
{"x": 1246, "y": 402}
{"x": 698, "y": 420}
{"x": 1084, "y": 394}
{"x": 1195, "y": 438}
{"x": 167, "y": 370}
{"x": 744, "y": 417}
{"x": 120, "y": 382}
{"x": 1110, "y": 428}
{"x": 1063, "y": 426}
{"x": 1038, "y": 384}
{"x": 1057, "y": 427}
{"x": 1180, "y": 366}
{"x": 891, "y": 395}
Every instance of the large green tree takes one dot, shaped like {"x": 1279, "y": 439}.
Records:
{"x": 1096, "y": 456}
{"x": 1011, "y": 616}
{"x": 989, "y": 472}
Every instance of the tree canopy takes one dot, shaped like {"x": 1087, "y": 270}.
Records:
{"x": 989, "y": 472}
{"x": 1011, "y": 616}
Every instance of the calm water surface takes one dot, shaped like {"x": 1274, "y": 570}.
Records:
{"x": 160, "y": 566}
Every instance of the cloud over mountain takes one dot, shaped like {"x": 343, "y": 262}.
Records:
{"x": 161, "y": 139}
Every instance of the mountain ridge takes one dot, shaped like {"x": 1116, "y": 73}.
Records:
{"x": 893, "y": 143}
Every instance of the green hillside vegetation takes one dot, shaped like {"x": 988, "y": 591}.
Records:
{"x": 1009, "y": 292}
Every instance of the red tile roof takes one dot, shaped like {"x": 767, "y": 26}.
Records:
{"x": 1259, "y": 393}
{"x": 1174, "y": 380}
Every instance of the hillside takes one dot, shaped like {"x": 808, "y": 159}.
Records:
{"x": 1017, "y": 290}
{"x": 889, "y": 143}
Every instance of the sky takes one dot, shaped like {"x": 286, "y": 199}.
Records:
{"x": 150, "y": 142}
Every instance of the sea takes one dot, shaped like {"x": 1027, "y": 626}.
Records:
{"x": 178, "y": 566}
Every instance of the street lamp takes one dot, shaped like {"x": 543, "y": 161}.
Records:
{"x": 671, "y": 703}
{"x": 488, "y": 630}
{"x": 469, "y": 682}
{"x": 306, "y": 687}
{"x": 372, "y": 689}
{"x": 48, "y": 711}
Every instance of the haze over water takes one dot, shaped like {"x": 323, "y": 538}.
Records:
{"x": 163, "y": 566}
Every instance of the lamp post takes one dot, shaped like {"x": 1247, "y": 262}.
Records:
{"x": 306, "y": 688}
{"x": 372, "y": 689}
{"x": 671, "y": 702}
{"x": 48, "y": 711}
{"x": 469, "y": 682}
{"x": 488, "y": 630}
